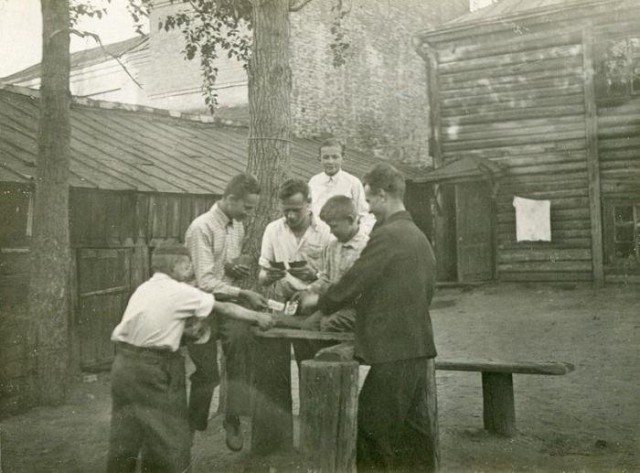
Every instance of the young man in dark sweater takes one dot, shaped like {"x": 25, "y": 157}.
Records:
{"x": 391, "y": 286}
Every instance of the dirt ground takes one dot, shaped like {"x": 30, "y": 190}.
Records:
{"x": 586, "y": 421}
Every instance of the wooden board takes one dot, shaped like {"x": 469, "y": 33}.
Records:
{"x": 474, "y": 236}
{"x": 540, "y": 368}
{"x": 104, "y": 286}
{"x": 295, "y": 334}
{"x": 344, "y": 352}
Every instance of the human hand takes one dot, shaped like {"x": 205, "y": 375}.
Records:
{"x": 264, "y": 321}
{"x": 273, "y": 275}
{"x": 236, "y": 270}
{"x": 304, "y": 273}
{"x": 308, "y": 301}
{"x": 196, "y": 331}
{"x": 253, "y": 300}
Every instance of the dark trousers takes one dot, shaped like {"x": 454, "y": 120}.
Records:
{"x": 149, "y": 412}
{"x": 394, "y": 433}
{"x": 204, "y": 380}
{"x": 236, "y": 340}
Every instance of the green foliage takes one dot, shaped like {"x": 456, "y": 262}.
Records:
{"x": 211, "y": 28}
{"x": 78, "y": 9}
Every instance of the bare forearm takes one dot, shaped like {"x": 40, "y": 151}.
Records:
{"x": 234, "y": 311}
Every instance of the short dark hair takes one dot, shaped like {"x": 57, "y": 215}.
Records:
{"x": 291, "y": 187}
{"x": 242, "y": 185}
{"x": 164, "y": 258}
{"x": 332, "y": 142}
{"x": 387, "y": 178}
{"x": 338, "y": 207}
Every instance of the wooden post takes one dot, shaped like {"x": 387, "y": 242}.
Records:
{"x": 499, "y": 407}
{"x": 593, "y": 159}
{"x": 328, "y": 415}
{"x": 432, "y": 410}
{"x": 139, "y": 271}
{"x": 272, "y": 426}
{"x": 433, "y": 93}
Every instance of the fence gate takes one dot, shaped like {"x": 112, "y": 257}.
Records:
{"x": 104, "y": 286}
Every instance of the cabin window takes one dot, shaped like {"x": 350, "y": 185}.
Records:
{"x": 624, "y": 235}
{"x": 618, "y": 67}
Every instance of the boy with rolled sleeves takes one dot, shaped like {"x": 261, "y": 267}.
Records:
{"x": 149, "y": 403}
{"x": 340, "y": 215}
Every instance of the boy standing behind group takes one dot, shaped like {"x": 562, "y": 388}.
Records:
{"x": 336, "y": 181}
{"x": 149, "y": 410}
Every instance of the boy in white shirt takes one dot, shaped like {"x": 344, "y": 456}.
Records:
{"x": 335, "y": 181}
{"x": 149, "y": 410}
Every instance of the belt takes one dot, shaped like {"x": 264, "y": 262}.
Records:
{"x": 128, "y": 349}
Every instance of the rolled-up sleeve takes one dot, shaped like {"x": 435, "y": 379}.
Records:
{"x": 267, "y": 253}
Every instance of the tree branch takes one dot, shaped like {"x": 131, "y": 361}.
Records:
{"x": 297, "y": 5}
{"x": 97, "y": 39}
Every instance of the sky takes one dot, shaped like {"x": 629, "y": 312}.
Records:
{"x": 21, "y": 31}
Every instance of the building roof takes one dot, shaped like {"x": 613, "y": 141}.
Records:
{"x": 123, "y": 147}
{"x": 508, "y": 8}
{"x": 465, "y": 169}
{"x": 505, "y": 12}
{"x": 85, "y": 58}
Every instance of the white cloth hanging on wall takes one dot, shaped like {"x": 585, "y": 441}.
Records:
{"x": 533, "y": 219}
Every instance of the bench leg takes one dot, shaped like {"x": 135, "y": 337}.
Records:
{"x": 499, "y": 407}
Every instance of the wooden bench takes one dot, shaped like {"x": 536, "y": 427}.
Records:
{"x": 499, "y": 414}
{"x": 497, "y": 377}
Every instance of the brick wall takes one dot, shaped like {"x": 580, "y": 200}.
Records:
{"x": 377, "y": 101}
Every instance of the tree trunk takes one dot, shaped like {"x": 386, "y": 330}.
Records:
{"x": 50, "y": 261}
{"x": 270, "y": 121}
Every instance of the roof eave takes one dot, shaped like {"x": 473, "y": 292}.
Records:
{"x": 430, "y": 37}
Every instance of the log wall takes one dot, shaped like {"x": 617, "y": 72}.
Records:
{"x": 520, "y": 100}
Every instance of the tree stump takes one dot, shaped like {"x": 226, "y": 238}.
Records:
{"x": 328, "y": 415}
{"x": 272, "y": 426}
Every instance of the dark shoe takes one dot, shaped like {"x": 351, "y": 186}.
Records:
{"x": 235, "y": 439}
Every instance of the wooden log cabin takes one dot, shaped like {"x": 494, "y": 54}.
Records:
{"x": 538, "y": 99}
{"x": 138, "y": 178}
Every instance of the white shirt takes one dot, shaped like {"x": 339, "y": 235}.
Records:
{"x": 279, "y": 244}
{"x": 323, "y": 187}
{"x": 155, "y": 314}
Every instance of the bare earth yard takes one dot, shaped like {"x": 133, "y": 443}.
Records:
{"x": 587, "y": 421}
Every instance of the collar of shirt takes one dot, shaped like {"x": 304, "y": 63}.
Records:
{"x": 327, "y": 179}
{"x": 400, "y": 215}
{"x": 158, "y": 276}
{"x": 355, "y": 240}
{"x": 218, "y": 214}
